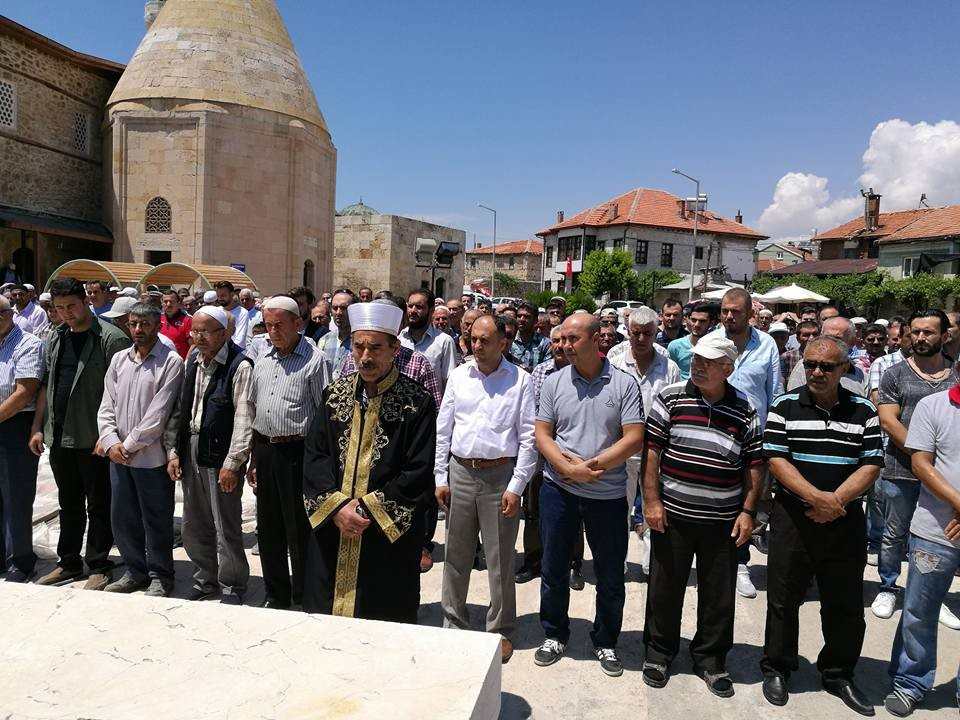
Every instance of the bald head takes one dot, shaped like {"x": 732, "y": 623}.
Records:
{"x": 839, "y": 328}
{"x": 583, "y": 322}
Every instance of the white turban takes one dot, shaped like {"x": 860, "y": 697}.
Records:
{"x": 381, "y": 317}
{"x": 46, "y": 297}
{"x": 282, "y": 302}
{"x": 214, "y": 311}
{"x": 210, "y": 297}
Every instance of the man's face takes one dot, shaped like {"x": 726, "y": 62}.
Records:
{"x": 927, "y": 336}
{"x": 953, "y": 333}
{"x": 373, "y": 353}
{"x": 875, "y": 343}
{"x": 811, "y": 316}
{"x": 283, "y": 327}
{"x": 249, "y": 302}
{"x": 190, "y": 304}
{"x": 827, "y": 313}
{"x": 20, "y": 298}
{"x": 670, "y": 316}
{"x": 320, "y": 314}
{"x": 556, "y": 350}
{"x": 224, "y": 297}
{"x": 466, "y": 324}
{"x": 207, "y": 334}
{"x": 418, "y": 311}
{"x": 366, "y": 294}
{"x": 556, "y": 316}
{"x": 341, "y": 301}
{"x": 824, "y": 367}
{"x": 467, "y": 300}
{"x": 642, "y": 338}
{"x": 893, "y": 338}
{"x": 763, "y": 322}
{"x": 72, "y": 310}
{"x": 456, "y": 312}
{"x": 441, "y": 319}
{"x": 143, "y": 330}
{"x": 543, "y": 324}
{"x": 170, "y": 304}
{"x": 95, "y": 295}
{"x": 805, "y": 335}
{"x": 608, "y": 338}
{"x": 6, "y": 321}
{"x": 52, "y": 315}
{"x": 708, "y": 374}
{"x": 526, "y": 321}
{"x": 487, "y": 344}
{"x": 699, "y": 323}
{"x": 578, "y": 338}
{"x": 735, "y": 315}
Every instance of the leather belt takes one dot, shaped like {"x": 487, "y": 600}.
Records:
{"x": 483, "y": 463}
{"x": 279, "y": 439}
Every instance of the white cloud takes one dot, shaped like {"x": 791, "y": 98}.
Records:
{"x": 901, "y": 162}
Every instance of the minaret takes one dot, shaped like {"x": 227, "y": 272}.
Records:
{"x": 151, "y": 10}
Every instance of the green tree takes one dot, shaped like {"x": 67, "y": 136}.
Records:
{"x": 652, "y": 280}
{"x": 506, "y": 284}
{"x": 611, "y": 272}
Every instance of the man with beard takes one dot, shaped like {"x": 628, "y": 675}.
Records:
{"x": 423, "y": 337}
{"x": 368, "y": 470}
{"x": 703, "y": 316}
{"x": 227, "y": 299}
{"x": 530, "y": 348}
{"x": 925, "y": 372}
{"x": 335, "y": 346}
{"x": 671, "y": 322}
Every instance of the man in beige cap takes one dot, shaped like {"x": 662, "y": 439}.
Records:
{"x": 701, "y": 484}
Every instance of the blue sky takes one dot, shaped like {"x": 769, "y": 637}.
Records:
{"x": 531, "y": 106}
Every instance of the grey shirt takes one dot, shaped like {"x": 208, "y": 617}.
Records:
{"x": 900, "y": 385}
{"x": 288, "y": 390}
{"x": 588, "y": 417}
{"x": 935, "y": 428}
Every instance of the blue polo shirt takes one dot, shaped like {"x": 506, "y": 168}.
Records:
{"x": 681, "y": 352}
{"x": 588, "y": 417}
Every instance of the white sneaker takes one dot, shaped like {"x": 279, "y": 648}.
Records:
{"x": 948, "y": 619}
{"x": 745, "y": 586}
{"x": 872, "y": 559}
{"x": 884, "y": 605}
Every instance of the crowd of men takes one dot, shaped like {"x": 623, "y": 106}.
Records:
{"x": 709, "y": 428}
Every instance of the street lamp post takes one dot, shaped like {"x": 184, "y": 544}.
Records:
{"x": 493, "y": 272}
{"x": 696, "y": 217}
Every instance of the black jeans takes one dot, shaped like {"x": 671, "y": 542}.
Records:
{"x": 282, "y": 525}
{"x": 835, "y": 554}
{"x": 18, "y": 489}
{"x": 83, "y": 491}
{"x": 670, "y": 560}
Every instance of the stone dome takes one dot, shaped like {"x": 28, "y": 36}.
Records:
{"x": 358, "y": 210}
{"x": 225, "y": 51}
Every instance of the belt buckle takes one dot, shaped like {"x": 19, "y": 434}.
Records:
{"x": 473, "y": 464}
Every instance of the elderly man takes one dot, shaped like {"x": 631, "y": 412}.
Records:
{"x": 702, "y": 318}
{"x": 466, "y": 323}
{"x": 441, "y": 319}
{"x": 854, "y": 379}
{"x": 484, "y": 459}
{"x": 421, "y": 336}
{"x": 364, "y": 501}
{"x": 248, "y": 301}
{"x": 824, "y": 450}
{"x": 30, "y": 316}
{"x": 208, "y": 445}
{"x": 456, "y": 309}
{"x": 227, "y": 299}
{"x": 175, "y": 324}
{"x": 589, "y": 421}
{"x": 288, "y": 383}
{"x": 21, "y": 368}
{"x": 319, "y": 321}
{"x": 77, "y": 359}
{"x": 530, "y": 348}
{"x": 701, "y": 485}
{"x": 139, "y": 392}
{"x": 335, "y": 346}
{"x": 764, "y": 320}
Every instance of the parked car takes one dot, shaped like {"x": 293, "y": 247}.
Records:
{"x": 512, "y": 300}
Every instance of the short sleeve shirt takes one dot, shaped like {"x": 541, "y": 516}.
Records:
{"x": 588, "y": 417}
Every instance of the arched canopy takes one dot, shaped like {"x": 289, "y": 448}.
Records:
{"x": 121, "y": 274}
{"x": 173, "y": 273}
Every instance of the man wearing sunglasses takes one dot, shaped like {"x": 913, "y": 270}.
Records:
{"x": 824, "y": 449}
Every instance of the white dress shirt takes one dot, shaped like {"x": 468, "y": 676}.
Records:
{"x": 241, "y": 319}
{"x": 34, "y": 317}
{"x": 485, "y": 417}
{"x": 440, "y": 349}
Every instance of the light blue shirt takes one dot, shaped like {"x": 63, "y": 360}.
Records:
{"x": 21, "y": 358}
{"x": 757, "y": 370}
{"x": 681, "y": 352}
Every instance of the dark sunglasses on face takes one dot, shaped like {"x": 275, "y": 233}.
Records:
{"x": 825, "y": 367}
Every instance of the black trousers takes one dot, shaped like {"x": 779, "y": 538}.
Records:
{"x": 532, "y": 548}
{"x": 282, "y": 525}
{"x": 83, "y": 491}
{"x": 835, "y": 554}
{"x": 671, "y": 558}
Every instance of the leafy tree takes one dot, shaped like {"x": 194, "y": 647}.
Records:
{"x": 611, "y": 272}
{"x": 652, "y": 280}
{"x": 506, "y": 284}
{"x": 577, "y": 300}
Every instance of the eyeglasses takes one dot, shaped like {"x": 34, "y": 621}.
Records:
{"x": 204, "y": 333}
{"x": 825, "y": 367}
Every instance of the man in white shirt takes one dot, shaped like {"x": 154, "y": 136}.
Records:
{"x": 485, "y": 438}
{"x": 33, "y": 316}
{"x": 422, "y": 336}
{"x": 227, "y": 299}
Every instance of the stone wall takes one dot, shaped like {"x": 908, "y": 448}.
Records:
{"x": 45, "y": 169}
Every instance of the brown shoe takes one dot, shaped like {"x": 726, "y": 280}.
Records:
{"x": 97, "y": 581}
{"x": 506, "y": 650}
{"x": 59, "y": 575}
{"x": 426, "y": 561}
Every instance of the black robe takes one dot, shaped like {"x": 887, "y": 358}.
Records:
{"x": 380, "y": 451}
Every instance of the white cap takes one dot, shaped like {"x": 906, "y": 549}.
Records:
{"x": 214, "y": 311}
{"x": 121, "y": 307}
{"x": 45, "y": 297}
{"x": 210, "y": 297}
{"x": 114, "y": 289}
{"x": 382, "y": 317}
{"x": 282, "y": 302}
{"x": 858, "y": 320}
{"x": 882, "y": 321}
{"x": 129, "y": 292}
{"x": 29, "y": 287}
{"x": 714, "y": 347}
{"x": 778, "y": 327}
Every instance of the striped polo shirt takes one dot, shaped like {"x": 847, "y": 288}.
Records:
{"x": 705, "y": 449}
{"x": 826, "y": 446}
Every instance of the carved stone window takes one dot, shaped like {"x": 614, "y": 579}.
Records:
{"x": 81, "y": 133}
{"x": 159, "y": 217}
{"x": 8, "y": 106}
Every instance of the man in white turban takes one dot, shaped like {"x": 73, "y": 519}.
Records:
{"x": 365, "y": 502}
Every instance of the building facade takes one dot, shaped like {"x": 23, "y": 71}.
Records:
{"x": 379, "y": 251}
{"x": 656, "y": 229}
{"x": 521, "y": 260}
{"x": 52, "y": 103}
{"x": 774, "y": 256}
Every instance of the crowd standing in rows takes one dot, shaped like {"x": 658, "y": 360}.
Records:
{"x": 707, "y": 429}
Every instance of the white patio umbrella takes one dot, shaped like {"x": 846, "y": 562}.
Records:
{"x": 792, "y": 294}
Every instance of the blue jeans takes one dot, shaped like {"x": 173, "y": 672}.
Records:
{"x": 606, "y": 529}
{"x": 899, "y": 498}
{"x": 142, "y": 517}
{"x": 913, "y": 662}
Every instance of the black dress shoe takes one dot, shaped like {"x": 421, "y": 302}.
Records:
{"x": 852, "y": 698}
{"x": 576, "y": 579}
{"x": 526, "y": 574}
{"x": 775, "y": 689}
{"x": 275, "y": 604}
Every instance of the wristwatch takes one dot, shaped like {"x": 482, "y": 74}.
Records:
{"x": 751, "y": 513}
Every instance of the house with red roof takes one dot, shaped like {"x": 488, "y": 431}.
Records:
{"x": 656, "y": 228}
{"x": 520, "y": 259}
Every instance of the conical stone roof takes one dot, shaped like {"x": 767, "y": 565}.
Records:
{"x": 228, "y": 51}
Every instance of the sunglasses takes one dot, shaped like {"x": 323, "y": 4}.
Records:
{"x": 825, "y": 367}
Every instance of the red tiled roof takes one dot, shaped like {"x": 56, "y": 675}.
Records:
{"x": 512, "y": 247}
{"x": 932, "y": 223}
{"x": 843, "y": 266}
{"x": 656, "y": 208}
{"x": 766, "y": 265}
{"x": 890, "y": 222}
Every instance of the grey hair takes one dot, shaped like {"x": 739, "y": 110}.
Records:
{"x": 849, "y": 332}
{"x": 643, "y": 316}
{"x": 5, "y": 303}
{"x": 555, "y": 330}
{"x": 829, "y": 341}
{"x": 145, "y": 310}
{"x": 247, "y": 292}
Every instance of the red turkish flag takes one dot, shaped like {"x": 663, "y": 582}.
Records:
{"x": 569, "y": 271}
